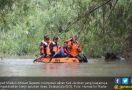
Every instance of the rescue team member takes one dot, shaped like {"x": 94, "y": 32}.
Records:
{"x": 44, "y": 47}
{"x": 54, "y": 47}
{"x": 63, "y": 52}
{"x": 73, "y": 47}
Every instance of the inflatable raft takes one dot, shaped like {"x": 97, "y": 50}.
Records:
{"x": 57, "y": 60}
{"x": 62, "y": 60}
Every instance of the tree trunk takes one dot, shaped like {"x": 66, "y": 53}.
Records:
{"x": 128, "y": 51}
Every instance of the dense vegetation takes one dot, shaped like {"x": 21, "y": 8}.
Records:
{"x": 101, "y": 25}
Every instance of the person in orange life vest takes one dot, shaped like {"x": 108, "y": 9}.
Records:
{"x": 44, "y": 47}
{"x": 54, "y": 47}
{"x": 73, "y": 47}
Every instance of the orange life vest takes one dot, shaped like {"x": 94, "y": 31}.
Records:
{"x": 56, "y": 48}
{"x": 48, "y": 48}
{"x": 73, "y": 47}
{"x": 44, "y": 48}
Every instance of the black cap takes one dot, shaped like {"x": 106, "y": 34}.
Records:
{"x": 46, "y": 36}
{"x": 55, "y": 38}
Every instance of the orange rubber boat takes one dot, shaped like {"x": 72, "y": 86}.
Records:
{"x": 81, "y": 58}
{"x": 57, "y": 60}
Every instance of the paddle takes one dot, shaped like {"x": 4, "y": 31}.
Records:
{"x": 53, "y": 57}
{"x": 85, "y": 58}
{"x": 82, "y": 58}
{"x": 38, "y": 58}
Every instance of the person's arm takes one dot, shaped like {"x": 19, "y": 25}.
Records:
{"x": 66, "y": 51}
{"x": 79, "y": 48}
{"x": 51, "y": 49}
{"x": 41, "y": 48}
{"x": 40, "y": 45}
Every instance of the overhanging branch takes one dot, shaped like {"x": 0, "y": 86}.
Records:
{"x": 87, "y": 12}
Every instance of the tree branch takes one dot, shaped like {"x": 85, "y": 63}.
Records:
{"x": 87, "y": 12}
{"x": 112, "y": 9}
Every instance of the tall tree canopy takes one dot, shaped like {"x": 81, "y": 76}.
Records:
{"x": 101, "y": 25}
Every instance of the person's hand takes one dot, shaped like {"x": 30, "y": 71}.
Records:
{"x": 79, "y": 50}
{"x": 48, "y": 56}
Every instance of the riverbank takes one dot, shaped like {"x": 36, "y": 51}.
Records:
{"x": 16, "y": 57}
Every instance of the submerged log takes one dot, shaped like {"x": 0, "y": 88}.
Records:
{"x": 110, "y": 56}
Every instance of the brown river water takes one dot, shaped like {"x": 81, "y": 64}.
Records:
{"x": 94, "y": 68}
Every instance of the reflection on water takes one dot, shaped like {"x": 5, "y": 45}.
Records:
{"x": 95, "y": 67}
{"x": 56, "y": 69}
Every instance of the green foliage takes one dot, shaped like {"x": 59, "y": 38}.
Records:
{"x": 24, "y": 22}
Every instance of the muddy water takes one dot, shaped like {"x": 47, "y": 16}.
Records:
{"x": 95, "y": 67}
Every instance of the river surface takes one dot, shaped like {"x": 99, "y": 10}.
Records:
{"x": 94, "y": 68}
